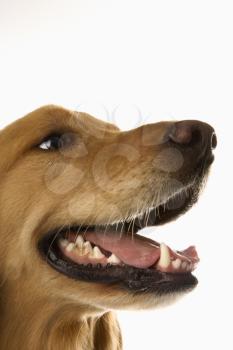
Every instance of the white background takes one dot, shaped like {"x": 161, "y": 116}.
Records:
{"x": 148, "y": 60}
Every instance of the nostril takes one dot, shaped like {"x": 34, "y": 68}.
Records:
{"x": 181, "y": 134}
{"x": 213, "y": 141}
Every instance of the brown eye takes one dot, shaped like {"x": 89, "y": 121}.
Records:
{"x": 57, "y": 142}
{"x": 52, "y": 143}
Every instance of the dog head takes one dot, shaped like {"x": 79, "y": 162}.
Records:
{"x": 74, "y": 193}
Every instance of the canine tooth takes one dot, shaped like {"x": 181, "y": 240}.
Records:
{"x": 113, "y": 259}
{"x": 79, "y": 241}
{"x": 63, "y": 242}
{"x": 176, "y": 263}
{"x": 165, "y": 259}
{"x": 70, "y": 247}
{"x": 97, "y": 253}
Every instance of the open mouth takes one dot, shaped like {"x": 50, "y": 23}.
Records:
{"x": 116, "y": 254}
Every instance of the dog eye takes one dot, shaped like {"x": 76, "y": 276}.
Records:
{"x": 52, "y": 143}
{"x": 57, "y": 142}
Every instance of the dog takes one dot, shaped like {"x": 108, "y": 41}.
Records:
{"x": 74, "y": 193}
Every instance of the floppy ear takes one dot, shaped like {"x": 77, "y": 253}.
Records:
{"x": 107, "y": 333}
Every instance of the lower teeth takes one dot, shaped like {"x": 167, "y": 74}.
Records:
{"x": 82, "y": 248}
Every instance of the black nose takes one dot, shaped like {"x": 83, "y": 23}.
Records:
{"x": 194, "y": 133}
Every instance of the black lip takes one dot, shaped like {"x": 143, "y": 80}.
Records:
{"x": 123, "y": 277}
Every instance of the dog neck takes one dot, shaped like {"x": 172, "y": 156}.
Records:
{"x": 38, "y": 324}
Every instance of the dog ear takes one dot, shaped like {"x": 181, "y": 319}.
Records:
{"x": 107, "y": 333}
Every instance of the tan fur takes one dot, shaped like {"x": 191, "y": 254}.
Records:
{"x": 105, "y": 177}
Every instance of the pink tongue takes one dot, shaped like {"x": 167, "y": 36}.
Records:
{"x": 134, "y": 251}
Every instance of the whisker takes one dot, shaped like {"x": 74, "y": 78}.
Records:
{"x": 53, "y": 240}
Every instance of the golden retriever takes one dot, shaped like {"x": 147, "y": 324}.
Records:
{"x": 74, "y": 193}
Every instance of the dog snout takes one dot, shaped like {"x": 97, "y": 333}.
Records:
{"x": 197, "y": 135}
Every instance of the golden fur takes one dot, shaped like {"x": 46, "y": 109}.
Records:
{"x": 42, "y": 309}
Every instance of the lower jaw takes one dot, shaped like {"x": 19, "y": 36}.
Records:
{"x": 121, "y": 276}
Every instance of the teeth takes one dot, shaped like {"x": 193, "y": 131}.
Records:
{"x": 176, "y": 263}
{"x": 87, "y": 248}
{"x": 165, "y": 259}
{"x": 64, "y": 243}
{"x": 184, "y": 265}
{"x": 79, "y": 241}
{"x": 97, "y": 253}
{"x": 113, "y": 259}
{"x": 194, "y": 266}
{"x": 70, "y": 247}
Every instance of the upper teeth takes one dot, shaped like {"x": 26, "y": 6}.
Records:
{"x": 165, "y": 259}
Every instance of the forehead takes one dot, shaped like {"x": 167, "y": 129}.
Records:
{"x": 53, "y": 119}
